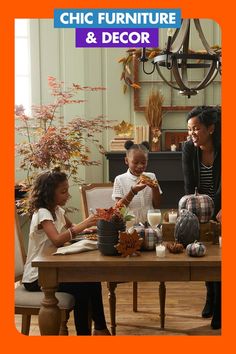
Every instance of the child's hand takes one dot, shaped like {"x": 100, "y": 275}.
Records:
{"x": 138, "y": 187}
{"x": 91, "y": 220}
{"x": 154, "y": 186}
{"x": 152, "y": 183}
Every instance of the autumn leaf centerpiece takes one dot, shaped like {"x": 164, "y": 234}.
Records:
{"x": 120, "y": 241}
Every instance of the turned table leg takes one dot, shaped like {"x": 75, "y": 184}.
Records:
{"x": 135, "y": 296}
{"x": 49, "y": 313}
{"x": 162, "y": 298}
{"x": 112, "y": 305}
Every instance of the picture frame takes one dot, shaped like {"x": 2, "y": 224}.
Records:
{"x": 173, "y": 137}
{"x": 173, "y": 100}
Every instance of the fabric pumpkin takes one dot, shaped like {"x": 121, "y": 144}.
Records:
{"x": 186, "y": 228}
{"x": 199, "y": 204}
{"x": 196, "y": 249}
{"x": 149, "y": 236}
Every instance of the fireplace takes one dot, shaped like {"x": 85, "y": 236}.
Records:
{"x": 166, "y": 165}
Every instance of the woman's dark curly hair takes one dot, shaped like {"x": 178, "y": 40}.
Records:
{"x": 129, "y": 146}
{"x": 208, "y": 115}
{"x": 43, "y": 190}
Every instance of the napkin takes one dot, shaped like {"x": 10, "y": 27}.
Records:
{"x": 78, "y": 247}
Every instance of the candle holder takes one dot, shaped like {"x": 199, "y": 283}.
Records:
{"x": 172, "y": 216}
{"x": 160, "y": 250}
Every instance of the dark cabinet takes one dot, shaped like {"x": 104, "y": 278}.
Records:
{"x": 166, "y": 165}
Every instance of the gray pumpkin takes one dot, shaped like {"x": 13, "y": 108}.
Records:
{"x": 187, "y": 228}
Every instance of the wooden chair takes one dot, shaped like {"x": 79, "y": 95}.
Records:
{"x": 98, "y": 195}
{"x": 28, "y": 303}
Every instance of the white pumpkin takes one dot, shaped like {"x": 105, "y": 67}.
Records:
{"x": 196, "y": 249}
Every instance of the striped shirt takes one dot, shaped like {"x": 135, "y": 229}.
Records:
{"x": 206, "y": 180}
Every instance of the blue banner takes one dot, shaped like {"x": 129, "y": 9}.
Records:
{"x": 119, "y": 18}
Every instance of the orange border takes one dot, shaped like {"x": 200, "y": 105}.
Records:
{"x": 9, "y": 336}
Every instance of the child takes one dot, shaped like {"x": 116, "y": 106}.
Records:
{"x": 129, "y": 190}
{"x": 49, "y": 194}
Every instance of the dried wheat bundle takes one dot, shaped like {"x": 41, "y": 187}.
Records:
{"x": 153, "y": 111}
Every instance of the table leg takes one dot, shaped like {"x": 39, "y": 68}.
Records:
{"x": 135, "y": 296}
{"x": 49, "y": 313}
{"x": 112, "y": 305}
{"x": 162, "y": 298}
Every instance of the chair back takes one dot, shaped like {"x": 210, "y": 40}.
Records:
{"x": 20, "y": 255}
{"x": 96, "y": 195}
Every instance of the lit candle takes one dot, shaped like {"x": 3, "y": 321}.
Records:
{"x": 160, "y": 250}
{"x": 172, "y": 216}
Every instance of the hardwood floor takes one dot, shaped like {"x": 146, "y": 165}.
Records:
{"x": 184, "y": 302}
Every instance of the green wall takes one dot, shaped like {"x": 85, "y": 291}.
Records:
{"x": 53, "y": 53}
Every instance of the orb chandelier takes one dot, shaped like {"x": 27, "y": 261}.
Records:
{"x": 179, "y": 59}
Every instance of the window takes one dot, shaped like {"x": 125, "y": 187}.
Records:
{"x": 22, "y": 64}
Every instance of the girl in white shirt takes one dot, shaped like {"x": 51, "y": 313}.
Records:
{"x": 127, "y": 187}
{"x": 50, "y": 192}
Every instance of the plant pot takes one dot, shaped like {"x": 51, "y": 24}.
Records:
{"x": 109, "y": 231}
{"x": 110, "y": 228}
{"x": 109, "y": 239}
{"x": 107, "y": 249}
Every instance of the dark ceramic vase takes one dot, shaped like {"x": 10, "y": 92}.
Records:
{"x": 108, "y": 236}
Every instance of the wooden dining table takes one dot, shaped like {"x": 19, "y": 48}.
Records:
{"x": 93, "y": 266}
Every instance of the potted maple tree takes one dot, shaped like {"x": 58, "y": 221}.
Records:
{"x": 49, "y": 142}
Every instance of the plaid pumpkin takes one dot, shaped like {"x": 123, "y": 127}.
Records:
{"x": 199, "y": 204}
{"x": 148, "y": 235}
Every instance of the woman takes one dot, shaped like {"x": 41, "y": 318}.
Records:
{"x": 202, "y": 169}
